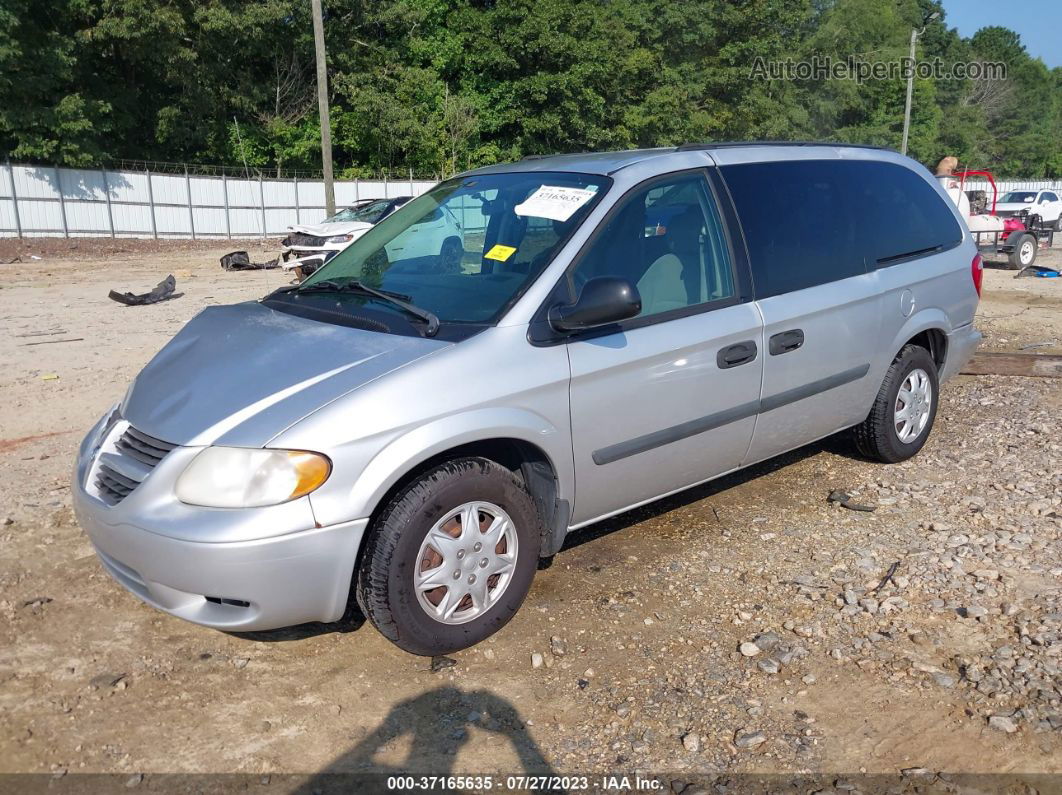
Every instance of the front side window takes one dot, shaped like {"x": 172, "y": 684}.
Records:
{"x": 464, "y": 251}
{"x": 1048, "y": 197}
{"x": 667, "y": 239}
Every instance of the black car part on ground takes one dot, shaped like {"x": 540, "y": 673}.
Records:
{"x": 241, "y": 261}
{"x": 164, "y": 291}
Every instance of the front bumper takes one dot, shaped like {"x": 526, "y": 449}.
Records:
{"x": 200, "y": 564}
{"x": 293, "y": 257}
{"x": 962, "y": 342}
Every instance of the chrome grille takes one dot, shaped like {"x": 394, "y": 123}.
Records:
{"x": 121, "y": 472}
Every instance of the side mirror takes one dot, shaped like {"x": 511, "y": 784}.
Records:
{"x": 604, "y": 300}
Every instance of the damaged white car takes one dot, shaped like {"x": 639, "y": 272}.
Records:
{"x": 309, "y": 246}
{"x": 1044, "y": 203}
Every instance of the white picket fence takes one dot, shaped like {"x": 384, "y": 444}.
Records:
{"x": 41, "y": 201}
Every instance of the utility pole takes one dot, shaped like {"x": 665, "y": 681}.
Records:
{"x": 322, "y": 107}
{"x": 910, "y": 79}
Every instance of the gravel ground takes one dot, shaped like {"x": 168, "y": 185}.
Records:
{"x": 748, "y": 626}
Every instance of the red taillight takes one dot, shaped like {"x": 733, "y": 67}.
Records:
{"x": 977, "y": 270}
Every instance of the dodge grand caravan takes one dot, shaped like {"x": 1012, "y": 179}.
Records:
{"x": 621, "y": 326}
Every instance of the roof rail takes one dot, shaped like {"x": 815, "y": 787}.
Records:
{"x": 535, "y": 157}
{"x": 694, "y": 147}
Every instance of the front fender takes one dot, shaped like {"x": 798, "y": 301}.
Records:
{"x": 420, "y": 443}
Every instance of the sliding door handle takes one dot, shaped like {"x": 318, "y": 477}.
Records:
{"x": 785, "y": 341}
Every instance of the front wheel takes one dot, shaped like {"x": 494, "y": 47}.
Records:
{"x": 903, "y": 413}
{"x": 450, "y": 559}
{"x": 451, "y": 255}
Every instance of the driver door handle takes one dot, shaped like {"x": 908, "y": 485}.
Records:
{"x": 737, "y": 354}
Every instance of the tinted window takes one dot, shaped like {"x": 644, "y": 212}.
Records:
{"x": 668, "y": 240}
{"x": 1050, "y": 196}
{"x": 899, "y": 213}
{"x": 797, "y": 222}
{"x": 816, "y": 221}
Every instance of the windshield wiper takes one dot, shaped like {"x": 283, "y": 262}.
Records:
{"x": 354, "y": 286}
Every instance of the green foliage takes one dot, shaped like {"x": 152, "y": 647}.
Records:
{"x": 439, "y": 86}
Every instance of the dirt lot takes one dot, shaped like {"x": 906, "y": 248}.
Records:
{"x": 951, "y": 666}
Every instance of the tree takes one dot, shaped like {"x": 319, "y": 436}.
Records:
{"x": 442, "y": 85}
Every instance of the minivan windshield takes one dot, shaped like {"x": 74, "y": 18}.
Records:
{"x": 1018, "y": 197}
{"x": 462, "y": 252}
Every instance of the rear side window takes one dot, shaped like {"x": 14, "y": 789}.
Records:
{"x": 810, "y": 222}
{"x": 900, "y": 214}
{"x": 798, "y": 223}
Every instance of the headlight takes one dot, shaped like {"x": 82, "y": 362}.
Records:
{"x": 242, "y": 477}
{"x": 340, "y": 238}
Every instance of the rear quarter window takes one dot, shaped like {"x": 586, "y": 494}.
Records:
{"x": 900, "y": 213}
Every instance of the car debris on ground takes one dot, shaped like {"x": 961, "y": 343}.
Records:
{"x": 1038, "y": 270}
{"x": 844, "y": 499}
{"x": 241, "y": 261}
{"x": 163, "y": 291}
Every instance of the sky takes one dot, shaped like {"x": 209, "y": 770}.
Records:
{"x": 1038, "y": 23}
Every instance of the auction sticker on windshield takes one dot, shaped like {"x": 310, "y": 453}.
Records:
{"x": 500, "y": 252}
{"x": 554, "y": 202}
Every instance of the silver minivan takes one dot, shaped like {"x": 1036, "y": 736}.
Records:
{"x": 621, "y": 326}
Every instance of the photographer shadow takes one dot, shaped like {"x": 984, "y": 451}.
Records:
{"x": 438, "y": 723}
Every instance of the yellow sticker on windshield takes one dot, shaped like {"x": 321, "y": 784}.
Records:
{"x": 500, "y": 252}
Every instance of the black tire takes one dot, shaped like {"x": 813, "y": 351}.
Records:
{"x": 385, "y": 589}
{"x": 451, "y": 255}
{"x": 1019, "y": 241}
{"x": 876, "y": 436}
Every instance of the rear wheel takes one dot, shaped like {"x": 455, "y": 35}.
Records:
{"x": 450, "y": 559}
{"x": 903, "y": 413}
{"x": 1024, "y": 252}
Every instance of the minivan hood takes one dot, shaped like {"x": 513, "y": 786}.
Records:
{"x": 1013, "y": 206}
{"x": 241, "y": 374}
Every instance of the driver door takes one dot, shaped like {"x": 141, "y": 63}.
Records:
{"x": 669, "y": 398}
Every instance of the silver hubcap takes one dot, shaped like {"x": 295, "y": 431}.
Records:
{"x": 466, "y": 562}
{"x": 913, "y": 405}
